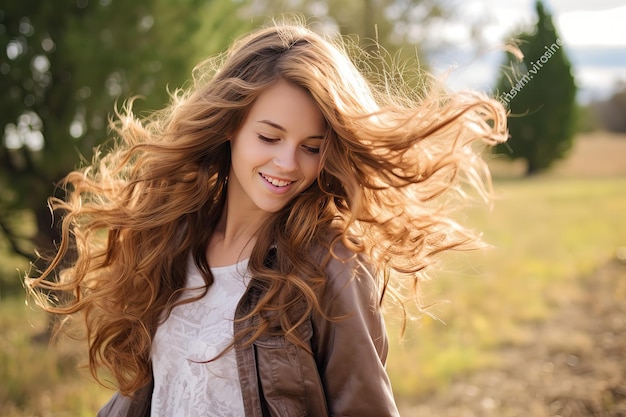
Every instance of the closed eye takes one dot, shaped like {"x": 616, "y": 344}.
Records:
{"x": 311, "y": 149}
{"x": 267, "y": 140}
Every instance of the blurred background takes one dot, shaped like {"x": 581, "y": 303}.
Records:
{"x": 534, "y": 326}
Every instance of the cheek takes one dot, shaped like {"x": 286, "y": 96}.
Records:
{"x": 245, "y": 153}
{"x": 318, "y": 168}
{"x": 312, "y": 168}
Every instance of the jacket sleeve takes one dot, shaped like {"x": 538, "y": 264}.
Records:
{"x": 121, "y": 406}
{"x": 117, "y": 406}
{"x": 351, "y": 351}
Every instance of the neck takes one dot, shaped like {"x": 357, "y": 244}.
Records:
{"x": 234, "y": 236}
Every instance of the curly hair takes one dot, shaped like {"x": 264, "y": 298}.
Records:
{"x": 392, "y": 165}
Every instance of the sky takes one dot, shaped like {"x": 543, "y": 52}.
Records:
{"x": 593, "y": 33}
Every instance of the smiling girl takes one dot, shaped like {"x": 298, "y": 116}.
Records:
{"x": 233, "y": 251}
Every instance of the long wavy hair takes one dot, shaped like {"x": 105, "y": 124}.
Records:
{"x": 393, "y": 165}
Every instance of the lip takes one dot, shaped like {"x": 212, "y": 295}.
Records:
{"x": 276, "y": 184}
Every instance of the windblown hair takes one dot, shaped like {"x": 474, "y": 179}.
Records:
{"x": 393, "y": 164}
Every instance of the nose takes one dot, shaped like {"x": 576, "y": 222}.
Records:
{"x": 286, "y": 159}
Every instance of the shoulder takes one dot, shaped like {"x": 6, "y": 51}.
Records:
{"x": 351, "y": 281}
{"x": 345, "y": 266}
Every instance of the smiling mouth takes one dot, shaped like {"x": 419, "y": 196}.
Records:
{"x": 276, "y": 182}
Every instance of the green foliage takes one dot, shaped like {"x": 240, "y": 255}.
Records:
{"x": 66, "y": 65}
{"x": 587, "y": 118}
{"x": 385, "y": 30}
{"x": 541, "y": 94}
{"x": 393, "y": 34}
{"x": 391, "y": 23}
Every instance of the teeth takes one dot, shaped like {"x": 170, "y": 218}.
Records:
{"x": 276, "y": 182}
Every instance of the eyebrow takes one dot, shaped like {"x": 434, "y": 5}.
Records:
{"x": 282, "y": 129}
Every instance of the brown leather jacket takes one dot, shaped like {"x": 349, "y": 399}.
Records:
{"x": 345, "y": 376}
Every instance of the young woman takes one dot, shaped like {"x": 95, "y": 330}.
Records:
{"x": 231, "y": 253}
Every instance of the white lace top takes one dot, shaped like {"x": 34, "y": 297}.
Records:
{"x": 185, "y": 384}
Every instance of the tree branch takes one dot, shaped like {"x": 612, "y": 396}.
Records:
{"x": 13, "y": 240}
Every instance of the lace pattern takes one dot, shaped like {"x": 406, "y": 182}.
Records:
{"x": 187, "y": 382}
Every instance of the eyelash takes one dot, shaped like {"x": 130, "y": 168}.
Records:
{"x": 312, "y": 150}
{"x": 266, "y": 139}
{"x": 309, "y": 149}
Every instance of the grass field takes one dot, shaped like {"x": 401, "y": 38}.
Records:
{"x": 547, "y": 232}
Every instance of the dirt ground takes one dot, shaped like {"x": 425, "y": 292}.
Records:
{"x": 574, "y": 364}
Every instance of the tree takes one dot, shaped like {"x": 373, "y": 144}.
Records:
{"x": 610, "y": 112}
{"x": 391, "y": 22}
{"x": 393, "y": 33}
{"x": 541, "y": 95}
{"x": 66, "y": 65}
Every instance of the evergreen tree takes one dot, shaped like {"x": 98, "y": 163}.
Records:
{"x": 540, "y": 93}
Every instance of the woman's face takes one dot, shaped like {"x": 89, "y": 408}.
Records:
{"x": 276, "y": 152}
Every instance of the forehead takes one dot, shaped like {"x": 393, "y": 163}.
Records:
{"x": 289, "y": 106}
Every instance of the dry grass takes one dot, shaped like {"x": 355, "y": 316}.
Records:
{"x": 547, "y": 231}
{"x": 594, "y": 155}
